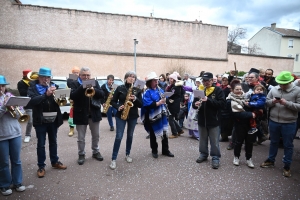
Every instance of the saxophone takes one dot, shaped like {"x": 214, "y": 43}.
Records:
{"x": 107, "y": 103}
{"x": 127, "y": 105}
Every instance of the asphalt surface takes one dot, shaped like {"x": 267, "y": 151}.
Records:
{"x": 148, "y": 178}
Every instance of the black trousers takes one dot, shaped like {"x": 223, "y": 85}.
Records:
{"x": 154, "y": 145}
{"x": 241, "y": 135}
{"x": 175, "y": 128}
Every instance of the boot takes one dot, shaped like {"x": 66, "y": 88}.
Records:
{"x": 71, "y": 131}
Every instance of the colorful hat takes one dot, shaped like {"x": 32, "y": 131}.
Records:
{"x": 3, "y": 80}
{"x": 284, "y": 77}
{"x": 173, "y": 76}
{"x": 45, "y": 71}
{"x": 151, "y": 75}
{"x": 26, "y": 71}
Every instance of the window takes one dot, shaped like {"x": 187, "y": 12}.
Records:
{"x": 297, "y": 58}
{"x": 289, "y": 55}
{"x": 291, "y": 43}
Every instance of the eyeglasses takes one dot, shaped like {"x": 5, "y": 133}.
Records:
{"x": 44, "y": 76}
{"x": 87, "y": 75}
{"x": 251, "y": 77}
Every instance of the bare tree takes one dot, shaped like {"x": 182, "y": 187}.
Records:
{"x": 233, "y": 36}
{"x": 254, "y": 49}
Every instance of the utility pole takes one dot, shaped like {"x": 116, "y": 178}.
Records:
{"x": 135, "y": 43}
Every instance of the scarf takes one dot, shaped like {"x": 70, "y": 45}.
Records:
{"x": 209, "y": 90}
{"x": 161, "y": 125}
{"x": 106, "y": 85}
{"x": 79, "y": 81}
{"x": 224, "y": 87}
{"x": 41, "y": 88}
{"x": 237, "y": 102}
{"x": 26, "y": 81}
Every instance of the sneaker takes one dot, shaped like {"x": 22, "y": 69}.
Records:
{"x": 201, "y": 159}
{"x": 154, "y": 155}
{"x": 267, "y": 164}
{"x": 27, "y": 139}
{"x": 230, "y": 146}
{"x": 98, "y": 156}
{"x": 128, "y": 159}
{"x": 81, "y": 159}
{"x": 20, "y": 188}
{"x": 287, "y": 173}
{"x": 6, "y": 191}
{"x": 41, "y": 172}
{"x": 262, "y": 139}
{"x": 58, "y": 165}
{"x": 215, "y": 164}
{"x": 112, "y": 128}
{"x": 252, "y": 131}
{"x": 113, "y": 164}
{"x": 236, "y": 161}
{"x": 173, "y": 136}
{"x": 250, "y": 163}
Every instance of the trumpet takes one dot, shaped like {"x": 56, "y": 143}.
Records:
{"x": 90, "y": 91}
{"x": 16, "y": 110}
{"x": 61, "y": 101}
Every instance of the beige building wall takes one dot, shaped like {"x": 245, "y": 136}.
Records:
{"x": 13, "y": 62}
{"x": 286, "y": 51}
{"x": 46, "y": 27}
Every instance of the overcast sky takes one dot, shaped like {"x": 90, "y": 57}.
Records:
{"x": 251, "y": 14}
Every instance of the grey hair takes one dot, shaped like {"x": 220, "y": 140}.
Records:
{"x": 255, "y": 74}
{"x": 186, "y": 74}
{"x": 129, "y": 74}
{"x": 84, "y": 69}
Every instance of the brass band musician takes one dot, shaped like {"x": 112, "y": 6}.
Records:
{"x": 126, "y": 99}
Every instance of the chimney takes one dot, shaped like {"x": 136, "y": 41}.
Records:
{"x": 273, "y": 26}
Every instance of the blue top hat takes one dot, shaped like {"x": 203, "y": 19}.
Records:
{"x": 3, "y": 80}
{"x": 45, "y": 71}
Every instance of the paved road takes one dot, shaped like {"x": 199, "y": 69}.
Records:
{"x": 148, "y": 178}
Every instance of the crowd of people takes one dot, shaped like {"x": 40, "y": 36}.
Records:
{"x": 247, "y": 111}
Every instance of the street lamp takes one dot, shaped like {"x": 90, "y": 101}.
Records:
{"x": 135, "y": 43}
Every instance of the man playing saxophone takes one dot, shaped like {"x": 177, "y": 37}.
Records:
{"x": 126, "y": 99}
{"x": 85, "y": 113}
{"x": 47, "y": 118}
{"x": 108, "y": 94}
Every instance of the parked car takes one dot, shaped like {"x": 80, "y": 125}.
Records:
{"x": 61, "y": 81}
{"x": 102, "y": 79}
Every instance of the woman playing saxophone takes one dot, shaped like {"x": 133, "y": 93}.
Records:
{"x": 124, "y": 97}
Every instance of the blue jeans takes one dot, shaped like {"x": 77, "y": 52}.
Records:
{"x": 41, "y": 131}
{"x": 10, "y": 150}
{"x": 111, "y": 110}
{"x": 287, "y": 131}
{"x": 120, "y": 127}
{"x": 214, "y": 135}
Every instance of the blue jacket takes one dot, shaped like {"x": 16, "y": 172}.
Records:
{"x": 257, "y": 101}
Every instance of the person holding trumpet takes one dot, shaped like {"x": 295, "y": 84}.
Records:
{"x": 47, "y": 118}
{"x": 85, "y": 113}
{"x": 10, "y": 146}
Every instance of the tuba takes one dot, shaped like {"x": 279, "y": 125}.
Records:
{"x": 127, "y": 105}
{"x": 33, "y": 76}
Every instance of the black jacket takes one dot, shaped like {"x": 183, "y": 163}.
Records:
{"x": 269, "y": 82}
{"x": 120, "y": 97}
{"x": 82, "y": 107}
{"x": 42, "y": 103}
{"x": 208, "y": 115}
{"x": 23, "y": 88}
{"x": 177, "y": 97}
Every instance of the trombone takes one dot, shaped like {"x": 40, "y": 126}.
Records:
{"x": 14, "y": 110}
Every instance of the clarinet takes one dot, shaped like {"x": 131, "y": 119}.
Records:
{"x": 166, "y": 105}
{"x": 197, "y": 111}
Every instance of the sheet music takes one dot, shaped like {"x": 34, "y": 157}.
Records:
{"x": 168, "y": 94}
{"x": 62, "y": 93}
{"x": 88, "y": 83}
{"x": 18, "y": 101}
{"x": 139, "y": 84}
{"x": 199, "y": 94}
{"x": 73, "y": 76}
